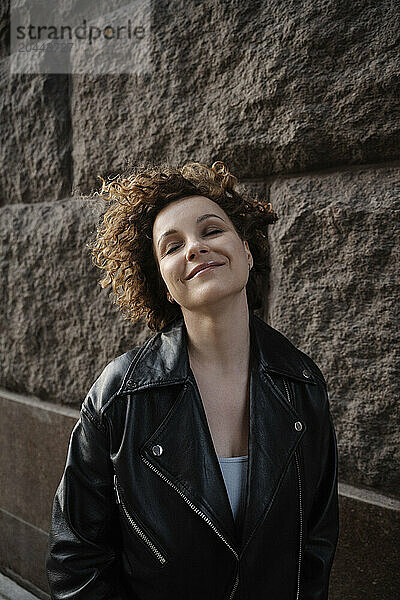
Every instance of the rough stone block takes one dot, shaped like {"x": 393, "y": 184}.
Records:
{"x": 60, "y": 328}
{"x": 334, "y": 292}
{"x": 35, "y": 137}
{"x": 271, "y": 89}
{"x": 4, "y": 28}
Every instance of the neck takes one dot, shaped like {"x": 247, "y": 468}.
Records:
{"x": 219, "y": 341}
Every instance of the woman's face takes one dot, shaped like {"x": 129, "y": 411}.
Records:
{"x": 195, "y": 230}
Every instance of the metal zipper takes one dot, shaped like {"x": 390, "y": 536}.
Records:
{"x": 300, "y": 506}
{"x": 192, "y": 506}
{"x": 138, "y": 530}
{"x": 235, "y": 586}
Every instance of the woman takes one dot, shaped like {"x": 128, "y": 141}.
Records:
{"x": 204, "y": 462}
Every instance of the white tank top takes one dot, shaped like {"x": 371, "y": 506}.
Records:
{"x": 234, "y": 471}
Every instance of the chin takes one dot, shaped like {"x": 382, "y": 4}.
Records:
{"x": 207, "y": 298}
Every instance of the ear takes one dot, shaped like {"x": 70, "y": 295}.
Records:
{"x": 249, "y": 255}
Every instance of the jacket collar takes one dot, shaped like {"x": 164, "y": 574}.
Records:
{"x": 163, "y": 359}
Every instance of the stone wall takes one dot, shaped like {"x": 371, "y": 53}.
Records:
{"x": 334, "y": 292}
{"x": 301, "y": 100}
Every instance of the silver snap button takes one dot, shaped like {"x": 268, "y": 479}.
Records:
{"x": 157, "y": 450}
{"x": 298, "y": 426}
{"x": 306, "y": 374}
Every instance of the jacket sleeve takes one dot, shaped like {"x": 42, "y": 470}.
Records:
{"x": 323, "y": 521}
{"x": 82, "y": 561}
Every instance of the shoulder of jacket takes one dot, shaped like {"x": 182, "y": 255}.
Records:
{"x": 107, "y": 386}
{"x": 313, "y": 367}
{"x": 287, "y": 347}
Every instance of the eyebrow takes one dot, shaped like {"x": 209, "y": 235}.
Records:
{"x": 198, "y": 220}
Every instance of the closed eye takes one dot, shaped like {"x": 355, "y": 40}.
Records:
{"x": 173, "y": 248}
{"x": 214, "y": 231}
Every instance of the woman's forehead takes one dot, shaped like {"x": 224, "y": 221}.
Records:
{"x": 188, "y": 208}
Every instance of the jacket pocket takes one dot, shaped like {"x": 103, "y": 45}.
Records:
{"x": 139, "y": 529}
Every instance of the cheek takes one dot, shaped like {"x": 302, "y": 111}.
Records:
{"x": 239, "y": 254}
{"x": 164, "y": 273}
{"x": 169, "y": 272}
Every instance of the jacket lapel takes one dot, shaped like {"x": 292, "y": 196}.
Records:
{"x": 272, "y": 442}
{"x": 188, "y": 460}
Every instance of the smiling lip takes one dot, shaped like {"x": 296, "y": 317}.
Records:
{"x": 203, "y": 267}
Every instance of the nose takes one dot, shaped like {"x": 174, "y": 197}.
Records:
{"x": 196, "y": 247}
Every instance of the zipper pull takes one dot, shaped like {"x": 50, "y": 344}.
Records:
{"x": 116, "y": 490}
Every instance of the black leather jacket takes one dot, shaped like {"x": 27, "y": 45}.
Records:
{"x": 142, "y": 512}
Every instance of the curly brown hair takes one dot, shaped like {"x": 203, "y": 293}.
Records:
{"x": 123, "y": 245}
